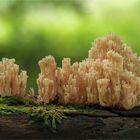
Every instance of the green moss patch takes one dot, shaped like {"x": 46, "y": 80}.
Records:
{"x": 50, "y": 115}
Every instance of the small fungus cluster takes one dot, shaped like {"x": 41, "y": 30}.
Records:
{"x": 11, "y": 82}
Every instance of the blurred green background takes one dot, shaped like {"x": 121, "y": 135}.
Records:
{"x": 32, "y": 29}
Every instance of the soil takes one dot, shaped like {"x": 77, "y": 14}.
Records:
{"x": 112, "y": 124}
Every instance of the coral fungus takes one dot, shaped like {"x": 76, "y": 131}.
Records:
{"x": 110, "y": 76}
{"x": 11, "y": 82}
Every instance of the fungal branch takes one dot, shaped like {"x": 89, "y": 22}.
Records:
{"x": 110, "y": 76}
{"x": 11, "y": 82}
{"x": 47, "y": 79}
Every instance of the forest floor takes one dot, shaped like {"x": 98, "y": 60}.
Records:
{"x": 80, "y": 122}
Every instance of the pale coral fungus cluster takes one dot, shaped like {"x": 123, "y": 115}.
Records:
{"x": 11, "y": 82}
{"x": 110, "y": 76}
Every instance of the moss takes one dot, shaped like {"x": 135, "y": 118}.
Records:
{"x": 12, "y": 109}
{"x": 50, "y": 115}
{"x": 16, "y": 101}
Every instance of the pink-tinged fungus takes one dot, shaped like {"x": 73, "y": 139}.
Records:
{"x": 110, "y": 76}
{"x": 11, "y": 82}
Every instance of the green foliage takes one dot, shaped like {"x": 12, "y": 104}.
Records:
{"x": 14, "y": 104}
{"x": 50, "y": 115}
{"x": 82, "y": 109}
{"x": 16, "y": 101}
{"x": 5, "y": 109}
{"x": 13, "y": 101}
{"x": 50, "y": 118}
